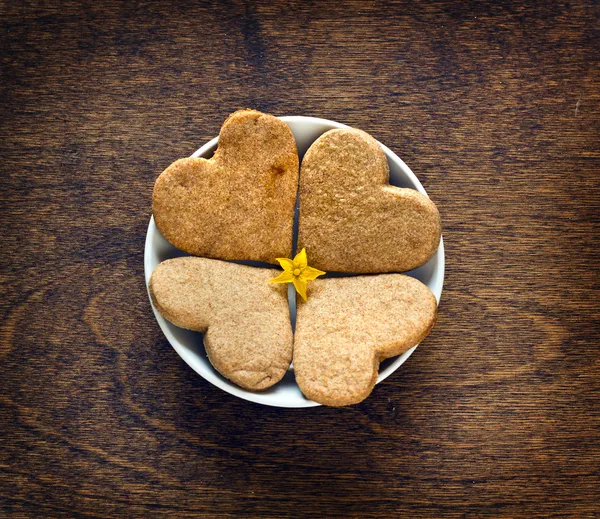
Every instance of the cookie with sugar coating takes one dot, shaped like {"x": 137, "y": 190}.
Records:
{"x": 239, "y": 204}
{"x": 352, "y": 219}
{"x": 349, "y": 325}
{"x": 244, "y": 318}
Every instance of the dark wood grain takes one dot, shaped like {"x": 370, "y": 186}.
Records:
{"x": 495, "y": 106}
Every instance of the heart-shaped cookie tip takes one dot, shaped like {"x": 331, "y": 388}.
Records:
{"x": 351, "y": 219}
{"x": 244, "y": 318}
{"x": 348, "y": 325}
{"x": 239, "y": 204}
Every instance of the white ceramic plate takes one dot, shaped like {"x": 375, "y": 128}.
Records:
{"x": 189, "y": 344}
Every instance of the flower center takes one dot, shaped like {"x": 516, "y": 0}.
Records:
{"x": 296, "y": 272}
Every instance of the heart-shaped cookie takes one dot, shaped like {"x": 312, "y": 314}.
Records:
{"x": 239, "y": 204}
{"x": 244, "y": 318}
{"x": 351, "y": 219}
{"x": 349, "y": 325}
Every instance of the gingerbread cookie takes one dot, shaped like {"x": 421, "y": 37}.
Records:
{"x": 244, "y": 318}
{"x": 349, "y": 325}
{"x": 351, "y": 219}
{"x": 239, "y": 204}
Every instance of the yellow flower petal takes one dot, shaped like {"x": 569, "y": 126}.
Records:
{"x": 310, "y": 273}
{"x": 298, "y": 272}
{"x": 284, "y": 277}
{"x": 300, "y": 285}
{"x": 286, "y": 264}
{"x": 300, "y": 260}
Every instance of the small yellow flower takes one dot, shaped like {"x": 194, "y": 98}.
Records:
{"x": 298, "y": 272}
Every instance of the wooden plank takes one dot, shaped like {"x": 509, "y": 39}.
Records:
{"x": 495, "y": 108}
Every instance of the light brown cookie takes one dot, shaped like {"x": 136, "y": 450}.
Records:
{"x": 244, "y": 318}
{"x": 349, "y": 325}
{"x": 351, "y": 219}
{"x": 239, "y": 204}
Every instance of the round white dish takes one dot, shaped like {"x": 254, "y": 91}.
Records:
{"x": 189, "y": 344}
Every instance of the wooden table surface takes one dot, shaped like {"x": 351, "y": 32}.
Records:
{"x": 495, "y": 107}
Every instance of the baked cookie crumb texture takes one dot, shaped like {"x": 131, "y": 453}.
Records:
{"x": 244, "y": 318}
{"x": 349, "y": 325}
{"x": 351, "y": 219}
{"x": 239, "y": 204}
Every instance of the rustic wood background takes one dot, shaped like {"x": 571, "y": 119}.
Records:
{"x": 495, "y": 106}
